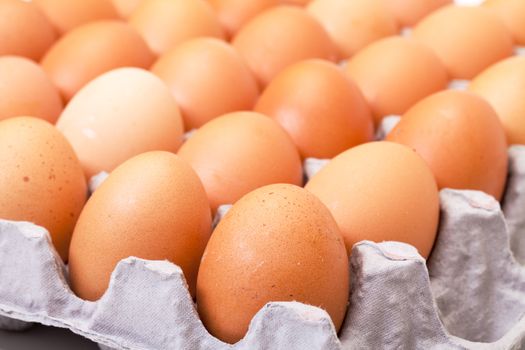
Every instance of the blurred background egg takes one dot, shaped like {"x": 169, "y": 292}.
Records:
{"x": 380, "y": 191}
{"x": 91, "y": 50}
{"x": 27, "y": 90}
{"x": 118, "y": 115}
{"x": 512, "y": 12}
{"x": 278, "y": 243}
{"x": 166, "y": 23}
{"x": 466, "y": 39}
{"x": 24, "y": 30}
{"x": 279, "y": 37}
{"x": 297, "y": 2}
{"x": 239, "y": 152}
{"x": 353, "y": 24}
{"x": 460, "y": 137}
{"x": 395, "y": 73}
{"x": 503, "y": 86}
{"x": 42, "y": 181}
{"x": 321, "y": 109}
{"x": 153, "y": 207}
{"x": 409, "y": 12}
{"x": 126, "y": 7}
{"x": 66, "y": 14}
{"x": 208, "y": 78}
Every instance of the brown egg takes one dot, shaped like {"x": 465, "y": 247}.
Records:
{"x": 380, "y": 191}
{"x": 208, "y": 78}
{"x": 233, "y": 14}
{"x": 297, "y": 2}
{"x": 279, "y": 37}
{"x": 91, "y": 50}
{"x": 278, "y": 243}
{"x": 461, "y": 139}
{"x": 466, "y": 39}
{"x": 239, "y": 152}
{"x": 126, "y": 7}
{"x": 395, "y": 73}
{"x": 153, "y": 207}
{"x": 24, "y": 29}
{"x": 323, "y": 111}
{"x": 512, "y": 12}
{"x": 409, "y": 12}
{"x": 42, "y": 180}
{"x": 66, "y": 14}
{"x": 27, "y": 90}
{"x": 353, "y": 24}
{"x": 503, "y": 86}
{"x": 118, "y": 115}
{"x": 166, "y": 23}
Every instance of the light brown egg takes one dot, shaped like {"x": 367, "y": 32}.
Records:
{"x": 460, "y": 137}
{"x": 395, "y": 73}
{"x": 297, "y": 2}
{"x": 166, "y": 23}
{"x": 409, "y": 12}
{"x": 233, "y": 14}
{"x": 353, "y": 24}
{"x": 42, "y": 180}
{"x": 380, "y": 191}
{"x": 153, "y": 207}
{"x": 503, "y": 86}
{"x": 321, "y": 109}
{"x": 512, "y": 12}
{"x": 27, "y": 90}
{"x": 466, "y": 39}
{"x": 66, "y": 14}
{"x": 208, "y": 78}
{"x": 126, "y": 7}
{"x": 118, "y": 115}
{"x": 91, "y": 50}
{"x": 24, "y": 29}
{"x": 279, "y": 37}
{"x": 239, "y": 152}
{"x": 278, "y": 243}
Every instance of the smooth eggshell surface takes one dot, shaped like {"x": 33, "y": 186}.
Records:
{"x": 239, "y": 152}
{"x": 321, "y": 109}
{"x": 512, "y": 12}
{"x": 380, "y": 191}
{"x": 460, "y": 137}
{"x": 118, "y": 115}
{"x": 126, "y": 7}
{"x": 27, "y": 90}
{"x": 409, "y": 12}
{"x": 42, "y": 181}
{"x": 152, "y": 207}
{"x": 278, "y": 243}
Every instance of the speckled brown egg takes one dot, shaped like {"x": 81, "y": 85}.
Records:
{"x": 278, "y": 243}
{"x": 153, "y": 207}
{"x": 321, "y": 109}
{"x": 42, "y": 180}
{"x": 460, "y": 137}
{"x": 239, "y": 152}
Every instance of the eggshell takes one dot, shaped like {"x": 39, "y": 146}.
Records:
{"x": 512, "y": 12}
{"x": 395, "y": 73}
{"x": 466, "y": 39}
{"x": 297, "y": 2}
{"x": 460, "y": 137}
{"x": 118, "y": 115}
{"x": 278, "y": 243}
{"x": 323, "y": 110}
{"x": 380, "y": 191}
{"x": 503, "y": 86}
{"x": 353, "y": 24}
{"x": 409, "y": 12}
{"x": 279, "y": 37}
{"x": 42, "y": 180}
{"x": 153, "y": 207}
{"x": 27, "y": 90}
{"x": 91, "y": 50}
{"x": 208, "y": 78}
{"x": 24, "y": 29}
{"x": 126, "y": 7}
{"x": 166, "y": 23}
{"x": 66, "y": 14}
{"x": 233, "y": 14}
{"x": 239, "y": 152}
